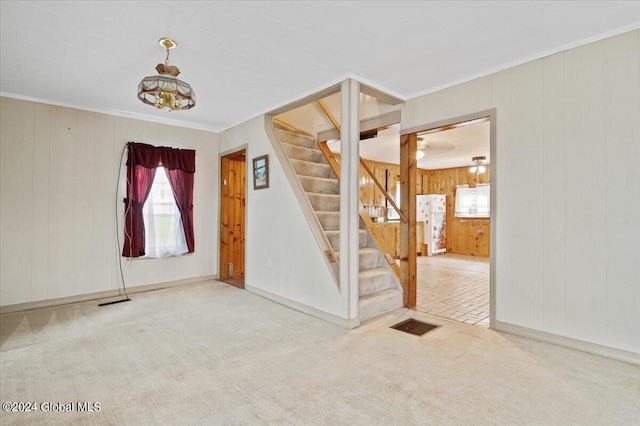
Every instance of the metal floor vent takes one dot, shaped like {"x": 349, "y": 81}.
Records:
{"x": 413, "y": 326}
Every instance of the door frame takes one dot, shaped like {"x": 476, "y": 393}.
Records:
{"x": 235, "y": 150}
{"x": 410, "y": 284}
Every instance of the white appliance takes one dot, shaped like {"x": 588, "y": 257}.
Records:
{"x": 432, "y": 210}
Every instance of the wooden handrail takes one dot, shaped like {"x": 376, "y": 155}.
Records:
{"x": 329, "y": 116}
{"x": 403, "y": 217}
{"x": 335, "y": 166}
{"x": 290, "y": 127}
{"x": 281, "y": 121}
{"x": 327, "y": 152}
{"x": 333, "y": 161}
{"x": 331, "y": 158}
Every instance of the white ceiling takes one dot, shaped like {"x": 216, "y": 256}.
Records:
{"x": 445, "y": 149}
{"x": 247, "y": 58}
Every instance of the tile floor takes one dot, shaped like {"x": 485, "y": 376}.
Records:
{"x": 455, "y": 287}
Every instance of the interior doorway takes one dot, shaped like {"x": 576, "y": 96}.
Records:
{"x": 233, "y": 188}
{"x": 455, "y": 280}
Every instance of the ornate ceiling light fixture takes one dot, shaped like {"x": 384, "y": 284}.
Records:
{"x": 165, "y": 91}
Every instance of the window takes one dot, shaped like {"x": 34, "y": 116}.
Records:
{"x": 473, "y": 202}
{"x": 174, "y": 178}
{"x": 164, "y": 234}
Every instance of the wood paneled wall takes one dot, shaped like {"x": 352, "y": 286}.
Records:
{"x": 59, "y": 196}
{"x": 568, "y": 228}
{"x": 387, "y": 235}
{"x": 464, "y": 236}
{"x": 370, "y": 195}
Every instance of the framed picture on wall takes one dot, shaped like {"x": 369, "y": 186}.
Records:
{"x": 261, "y": 172}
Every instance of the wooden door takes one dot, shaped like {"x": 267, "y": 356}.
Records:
{"x": 233, "y": 179}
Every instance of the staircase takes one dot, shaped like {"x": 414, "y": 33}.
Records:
{"x": 379, "y": 289}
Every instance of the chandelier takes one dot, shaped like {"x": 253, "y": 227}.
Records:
{"x": 478, "y": 167}
{"x": 165, "y": 91}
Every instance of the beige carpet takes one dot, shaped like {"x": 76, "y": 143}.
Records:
{"x": 213, "y": 354}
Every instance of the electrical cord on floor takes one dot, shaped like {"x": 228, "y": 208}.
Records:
{"x": 124, "y": 287}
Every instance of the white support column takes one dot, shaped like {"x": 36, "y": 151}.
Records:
{"x": 349, "y": 195}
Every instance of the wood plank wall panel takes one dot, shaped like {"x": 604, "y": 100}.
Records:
{"x": 370, "y": 195}
{"x": 586, "y": 192}
{"x": 566, "y": 259}
{"x": 528, "y": 199}
{"x": 553, "y": 184}
{"x": 577, "y": 113}
{"x": 386, "y": 235}
{"x": 622, "y": 153}
{"x": 58, "y": 202}
{"x": 42, "y": 169}
{"x": 17, "y": 171}
{"x": 464, "y": 236}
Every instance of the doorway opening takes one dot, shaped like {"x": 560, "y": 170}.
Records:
{"x": 233, "y": 188}
{"x": 453, "y": 203}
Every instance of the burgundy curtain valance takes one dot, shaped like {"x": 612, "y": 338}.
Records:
{"x": 150, "y": 157}
{"x": 142, "y": 161}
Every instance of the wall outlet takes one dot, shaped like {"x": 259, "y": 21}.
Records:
{"x": 268, "y": 262}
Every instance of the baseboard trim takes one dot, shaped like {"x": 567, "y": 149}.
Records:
{"x": 568, "y": 342}
{"x": 28, "y": 306}
{"x": 340, "y": 322}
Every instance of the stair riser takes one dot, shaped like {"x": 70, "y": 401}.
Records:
{"x": 320, "y": 186}
{"x": 330, "y": 221}
{"x": 373, "y": 284}
{"x": 380, "y": 307}
{"x": 334, "y": 239}
{"x": 307, "y": 168}
{"x": 377, "y": 285}
{"x": 369, "y": 260}
{"x": 302, "y": 153}
{"x": 363, "y": 236}
{"x": 295, "y": 139}
{"x": 325, "y": 202}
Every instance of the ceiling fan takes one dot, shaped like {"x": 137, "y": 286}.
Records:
{"x": 424, "y": 146}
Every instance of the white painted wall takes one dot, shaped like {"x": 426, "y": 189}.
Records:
{"x": 568, "y": 188}
{"x": 312, "y": 119}
{"x": 276, "y": 228}
{"x": 58, "y": 169}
